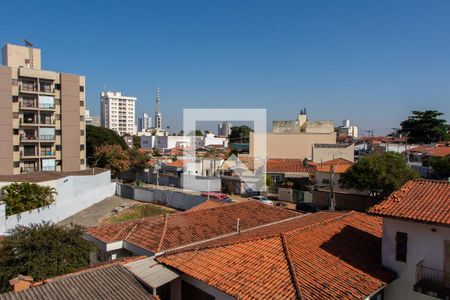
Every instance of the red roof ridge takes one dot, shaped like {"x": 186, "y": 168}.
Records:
{"x": 163, "y": 234}
{"x": 324, "y": 222}
{"x": 205, "y": 247}
{"x": 290, "y": 264}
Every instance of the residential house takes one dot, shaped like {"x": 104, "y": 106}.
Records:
{"x": 111, "y": 281}
{"x": 416, "y": 239}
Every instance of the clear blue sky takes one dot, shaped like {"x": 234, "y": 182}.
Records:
{"x": 371, "y": 61}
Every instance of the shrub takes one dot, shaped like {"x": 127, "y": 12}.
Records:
{"x": 20, "y": 197}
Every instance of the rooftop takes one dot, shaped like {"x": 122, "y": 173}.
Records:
{"x": 316, "y": 260}
{"x": 331, "y": 145}
{"x": 162, "y": 233}
{"x": 42, "y": 176}
{"x": 418, "y": 200}
{"x": 339, "y": 165}
{"x": 276, "y": 165}
{"x": 439, "y": 151}
{"x": 108, "y": 282}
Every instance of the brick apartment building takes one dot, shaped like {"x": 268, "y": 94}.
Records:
{"x": 42, "y": 125}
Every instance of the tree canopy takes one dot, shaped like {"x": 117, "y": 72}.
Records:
{"x": 240, "y": 134}
{"x": 112, "y": 157}
{"x": 441, "y": 165}
{"x": 380, "y": 174}
{"x": 20, "y": 197}
{"x": 424, "y": 127}
{"x": 42, "y": 251}
{"x": 99, "y": 136}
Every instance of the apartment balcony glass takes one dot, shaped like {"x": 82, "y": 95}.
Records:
{"x": 432, "y": 282}
{"x": 28, "y": 86}
{"x": 48, "y": 164}
{"x": 28, "y": 169}
{"x": 47, "y": 134}
{"x": 47, "y": 152}
{"x": 28, "y": 103}
{"x": 46, "y": 102}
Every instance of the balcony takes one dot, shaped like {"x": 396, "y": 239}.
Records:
{"x": 47, "y": 137}
{"x": 48, "y": 168}
{"x": 47, "y": 152}
{"x": 432, "y": 282}
{"x": 28, "y": 122}
{"x": 28, "y": 153}
{"x": 46, "y": 88}
{"x": 28, "y": 88}
{"x": 27, "y": 105}
{"x": 28, "y": 138}
{"x": 46, "y": 106}
{"x": 47, "y": 121}
{"x": 28, "y": 169}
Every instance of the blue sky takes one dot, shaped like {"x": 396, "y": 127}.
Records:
{"x": 371, "y": 61}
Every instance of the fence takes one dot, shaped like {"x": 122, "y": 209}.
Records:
{"x": 168, "y": 197}
{"x": 75, "y": 193}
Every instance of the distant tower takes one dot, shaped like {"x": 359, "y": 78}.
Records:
{"x": 158, "y": 115}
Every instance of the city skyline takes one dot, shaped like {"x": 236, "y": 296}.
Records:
{"x": 339, "y": 60}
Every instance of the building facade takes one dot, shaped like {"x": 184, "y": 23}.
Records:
{"x": 144, "y": 122}
{"x": 117, "y": 112}
{"x": 224, "y": 129}
{"x": 41, "y": 115}
{"x": 91, "y": 120}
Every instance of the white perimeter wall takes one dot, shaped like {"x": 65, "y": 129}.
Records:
{"x": 423, "y": 244}
{"x": 75, "y": 193}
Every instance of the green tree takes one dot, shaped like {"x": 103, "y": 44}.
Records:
{"x": 441, "y": 165}
{"x": 240, "y": 134}
{"x": 20, "y": 197}
{"x": 99, "y": 136}
{"x": 424, "y": 127}
{"x": 198, "y": 132}
{"x": 112, "y": 157}
{"x": 380, "y": 174}
{"x": 138, "y": 161}
{"x": 43, "y": 251}
{"x": 136, "y": 141}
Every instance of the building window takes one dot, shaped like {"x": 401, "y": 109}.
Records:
{"x": 81, "y": 118}
{"x": 81, "y": 103}
{"x": 58, "y": 132}
{"x": 81, "y": 147}
{"x": 81, "y": 132}
{"x": 57, "y": 117}
{"x": 15, "y": 131}
{"x": 15, "y": 115}
{"x": 16, "y": 164}
{"x": 16, "y": 148}
{"x": 57, "y": 86}
{"x": 82, "y": 161}
{"x": 15, "y": 99}
{"x": 401, "y": 241}
{"x": 81, "y": 88}
{"x": 58, "y": 147}
{"x": 15, "y": 82}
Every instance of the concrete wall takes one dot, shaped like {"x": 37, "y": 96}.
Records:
{"x": 6, "y": 122}
{"x": 75, "y": 193}
{"x": 423, "y": 244}
{"x": 295, "y": 145}
{"x": 70, "y": 122}
{"x": 344, "y": 201}
{"x": 15, "y": 56}
{"x": 170, "y": 198}
{"x": 322, "y": 154}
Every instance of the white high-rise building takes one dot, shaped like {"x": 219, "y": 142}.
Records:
{"x": 144, "y": 122}
{"x": 158, "y": 114}
{"x": 117, "y": 112}
{"x": 224, "y": 129}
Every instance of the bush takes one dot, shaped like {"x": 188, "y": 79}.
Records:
{"x": 20, "y": 197}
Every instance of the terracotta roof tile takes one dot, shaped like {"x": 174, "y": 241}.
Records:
{"x": 275, "y": 165}
{"x": 418, "y": 200}
{"x": 320, "y": 261}
{"x": 180, "y": 229}
{"x": 440, "y": 151}
{"x": 339, "y": 165}
{"x": 208, "y": 204}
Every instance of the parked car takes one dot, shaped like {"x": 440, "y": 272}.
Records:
{"x": 217, "y": 196}
{"x": 263, "y": 199}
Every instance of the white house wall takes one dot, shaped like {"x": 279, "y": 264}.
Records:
{"x": 423, "y": 244}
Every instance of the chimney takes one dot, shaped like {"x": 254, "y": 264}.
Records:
{"x": 21, "y": 282}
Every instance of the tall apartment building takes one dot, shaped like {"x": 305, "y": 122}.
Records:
{"x": 224, "y": 129}
{"x": 117, "y": 112}
{"x": 144, "y": 122}
{"x": 41, "y": 115}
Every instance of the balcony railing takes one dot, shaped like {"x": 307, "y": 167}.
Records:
{"x": 28, "y": 138}
{"x": 28, "y": 88}
{"x": 47, "y": 153}
{"x": 432, "y": 282}
{"x": 49, "y": 168}
{"x": 46, "y": 106}
{"x": 28, "y": 169}
{"x": 45, "y": 88}
{"x": 47, "y": 137}
{"x": 27, "y": 105}
{"x": 29, "y": 153}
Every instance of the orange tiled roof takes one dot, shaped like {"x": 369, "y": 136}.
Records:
{"x": 340, "y": 165}
{"x": 316, "y": 261}
{"x": 162, "y": 233}
{"x": 178, "y": 163}
{"x": 276, "y": 165}
{"x": 440, "y": 151}
{"x": 207, "y": 204}
{"x": 418, "y": 200}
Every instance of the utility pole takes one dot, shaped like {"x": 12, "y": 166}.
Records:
{"x": 332, "y": 199}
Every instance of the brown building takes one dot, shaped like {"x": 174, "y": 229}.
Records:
{"x": 42, "y": 112}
